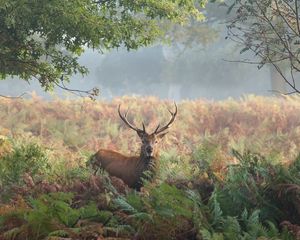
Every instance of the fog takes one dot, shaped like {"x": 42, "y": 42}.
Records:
{"x": 171, "y": 71}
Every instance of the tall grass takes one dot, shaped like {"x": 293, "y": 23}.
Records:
{"x": 228, "y": 170}
{"x": 267, "y": 125}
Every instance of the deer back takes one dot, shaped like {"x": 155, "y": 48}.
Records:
{"x": 118, "y": 165}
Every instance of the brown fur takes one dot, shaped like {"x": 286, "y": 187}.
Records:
{"x": 118, "y": 165}
{"x": 129, "y": 168}
{"x": 132, "y": 169}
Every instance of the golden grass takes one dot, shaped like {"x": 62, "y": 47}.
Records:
{"x": 268, "y": 125}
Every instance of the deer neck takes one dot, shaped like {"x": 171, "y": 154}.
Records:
{"x": 146, "y": 160}
{"x": 147, "y": 163}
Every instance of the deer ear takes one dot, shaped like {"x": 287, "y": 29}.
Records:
{"x": 162, "y": 135}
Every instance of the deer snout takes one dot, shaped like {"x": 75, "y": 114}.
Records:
{"x": 149, "y": 150}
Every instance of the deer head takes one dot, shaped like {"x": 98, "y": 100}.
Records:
{"x": 150, "y": 141}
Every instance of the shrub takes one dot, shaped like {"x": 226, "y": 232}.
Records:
{"x": 52, "y": 215}
{"x": 25, "y": 158}
{"x": 165, "y": 212}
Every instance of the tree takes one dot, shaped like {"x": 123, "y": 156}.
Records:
{"x": 184, "y": 68}
{"x": 271, "y": 30}
{"x": 184, "y": 51}
{"x": 43, "y": 39}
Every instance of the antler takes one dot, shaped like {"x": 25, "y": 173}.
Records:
{"x": 124, "y": 118}
{"x": 159, "y": 130}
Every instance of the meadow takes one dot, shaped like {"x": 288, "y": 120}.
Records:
{"x": 229, "y": 170}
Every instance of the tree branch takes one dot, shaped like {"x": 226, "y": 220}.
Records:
{"x": 91, "y": 93}
{"x": 14, "y": 97}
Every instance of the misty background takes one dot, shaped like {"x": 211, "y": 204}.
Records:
{"x": 193, "y": 65}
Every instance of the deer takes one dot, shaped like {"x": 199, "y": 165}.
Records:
{"x": 133, "y": 169}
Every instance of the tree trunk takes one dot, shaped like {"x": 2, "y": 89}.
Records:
{"x": 278, "y": 84}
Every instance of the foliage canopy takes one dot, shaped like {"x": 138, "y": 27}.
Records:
{"x": 43, "y": 39}
{"x": 271, "y": 30}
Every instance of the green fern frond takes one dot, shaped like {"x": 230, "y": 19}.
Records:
{"x": 58, "y": 233}
{"x": 232, "y": 229}
{"x": 216, "y": 211}
{"x": 123, "y": 204}
{"x": 12, "y": 233}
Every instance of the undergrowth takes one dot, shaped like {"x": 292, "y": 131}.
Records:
{"x": 228, "y": 172}
{"x": 254, "y": 199}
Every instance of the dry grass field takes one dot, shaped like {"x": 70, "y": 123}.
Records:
{"x": 228, "y": 170}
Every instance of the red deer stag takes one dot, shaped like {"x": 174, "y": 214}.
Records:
{"x": 131, "y": 169}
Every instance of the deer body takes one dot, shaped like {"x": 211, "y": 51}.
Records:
{"x": 131, "y": 169}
